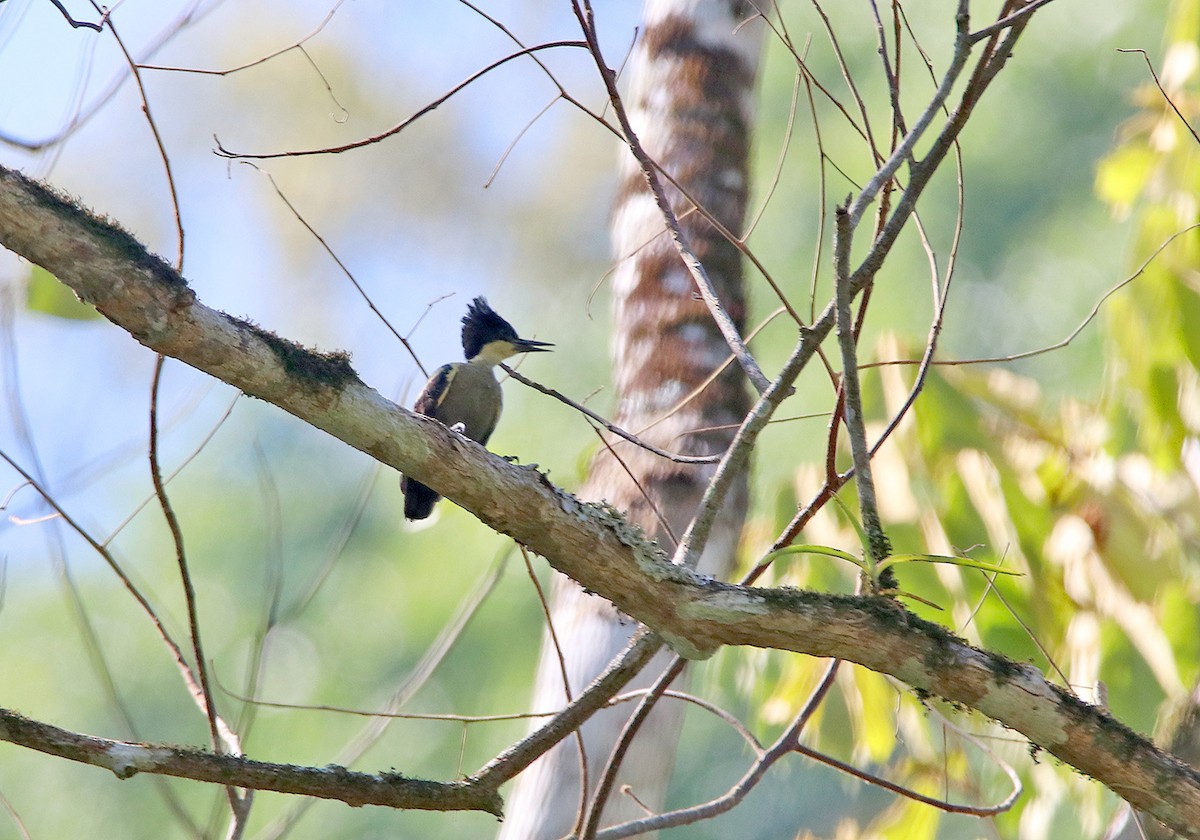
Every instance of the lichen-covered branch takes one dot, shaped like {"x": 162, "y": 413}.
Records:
{"x": 127, "y": 759}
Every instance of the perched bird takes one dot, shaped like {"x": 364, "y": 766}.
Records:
{"x": 465, "y": 396}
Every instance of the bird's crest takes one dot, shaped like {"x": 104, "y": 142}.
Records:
{"x": 482, "y": 325}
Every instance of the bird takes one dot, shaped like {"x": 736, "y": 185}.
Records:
{"x": 465, "y": 396}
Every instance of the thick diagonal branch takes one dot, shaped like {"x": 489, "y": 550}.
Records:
{"x": 590, "y": 543}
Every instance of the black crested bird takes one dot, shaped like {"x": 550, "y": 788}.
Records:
{"x": 465, "y": 396}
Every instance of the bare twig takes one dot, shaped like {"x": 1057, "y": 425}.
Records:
{"x": 152, "y": 123}
{"x": 1019, "y": 16}
{"x": 852, "y": 413}
{"x": 81, "y": 24}
{"x": 338, "y": 540}
{"x": 341, "y": 265}
{"x": 399, "y": 127}
{"x": 583, "y": 13}
{"x": 16, "y": 818}
{"x": 738, "y": 454}
{"x": 126, "y": 759}
{"x": 941, "y": 804}
{"x": 222, "y": 737}
{"x": 57, "y": 554}
{"x": 903, "y": 152}
{"x": 272, "y": 571}
{"x": 124, "y": 523}
{"x": 82, "y": 116}
{"x": 295, "y": 45}
{"x": 1066, "y": 340}
{"x": 642, "y": 648}
{"x": 612, "y": 427}
{"x": 1165, "y": 96}
{"x": 641, "y": 488}
{"x": 764, "y": 760}
{"x": 608, "y": 778}
{"x": 848, "y": 78}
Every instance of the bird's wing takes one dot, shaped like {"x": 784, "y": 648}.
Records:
{"x": 435, "y": 391}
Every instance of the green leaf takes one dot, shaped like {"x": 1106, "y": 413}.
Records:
{"x": 47, "y": 295}
{"x": 954, "y": 561}
{"x": 824, "y": 550}
{"x": 1122, "y": 176}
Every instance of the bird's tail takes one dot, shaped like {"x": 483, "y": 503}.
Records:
{"x": 418, "y": 499}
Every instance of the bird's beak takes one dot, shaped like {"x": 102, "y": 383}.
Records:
{"x": 528, "y": 345}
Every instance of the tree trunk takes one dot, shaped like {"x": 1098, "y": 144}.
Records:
{"x": 691, "y": 82}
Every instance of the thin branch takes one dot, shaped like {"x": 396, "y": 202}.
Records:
{"x": 904, "y": 152}
{"x": 687, "y": 398}
{"x": 789, "y": 128}
{"x": 126, "y": 759}
{"x": 726, "y": 716}
{"x": 57, "y": 554}
{"x": 764, "y": 760}
{"x": 687, "y": 554}
{"x": 641, "y": 488}
{"x": 641, "y": 649}
{"x": 785, "y": 39}
{"x": 221, "y": 736}
{"x": 422, "y": 716}
{"x": 650, "y": 171}
{"x": 1168, "y": 99}
{"x": 848, "y": 78}
{"x": 295, "y": 45}
{"x": 272, "y": 572}
{"x": 545, "y": 109}
{"x": 852, "y": 413}
{"x": 942, "y": 805}
{"x": 81, "y": 24}
{"x": 1066, "y": 340}
{"x": 341, "y": 265}
{"x": 396, "y": 129}
{"x": 16, "y": 818}
{"x": 993, "y": 589}
{"x": 339, "y": 538}
{"x": 1019, "y": 16}
{"x": 124, "y": 523}
{"x": 176, "y": 652}
{"x": 612, "y": 427}
{"x": 153, "y": 124}
{"x": 985, "y": 71}
{"x": 84, "y": 115}
{"x": 608, "y": 777}
{"x": 822, "y": 192}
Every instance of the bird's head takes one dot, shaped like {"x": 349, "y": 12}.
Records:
{"x": 487, "y": 336}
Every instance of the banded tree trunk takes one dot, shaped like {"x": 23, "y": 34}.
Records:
{"x": 692, "y": 76}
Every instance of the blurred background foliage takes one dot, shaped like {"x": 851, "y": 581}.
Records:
{"x": 1077, "y": 467}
